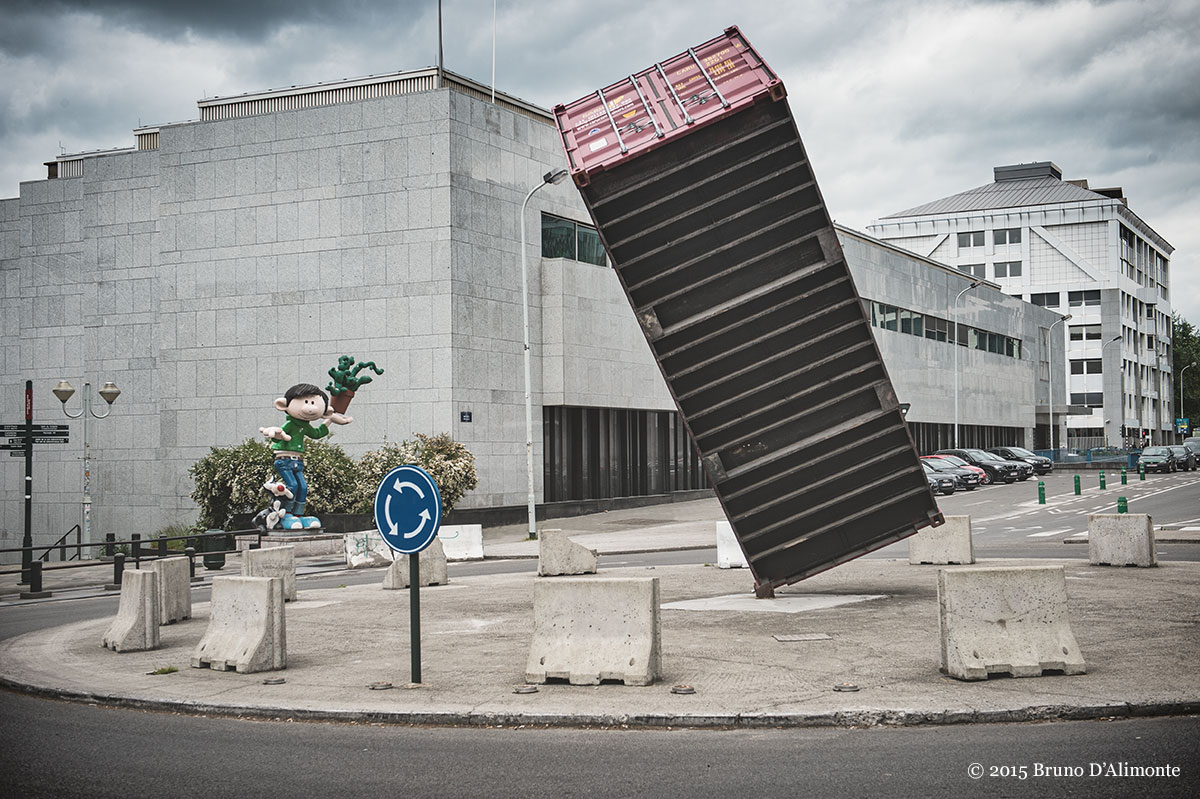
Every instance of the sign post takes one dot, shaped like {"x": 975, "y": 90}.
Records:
{"x": 19, "y": 440}
{"x": 408, "y": 513}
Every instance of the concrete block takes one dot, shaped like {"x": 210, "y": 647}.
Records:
{"x": 595, "y": 628}
{"x": 945, "y": 544}
{"x": 273, "y": 562}
{"x": 431, "y": 562}
{"x": 558, "y": 554}
{"x": 1005, "y": 620}
{"x": 174, "y": 589}
{"x": 462, "y": 541}
{"x": 135, "y": 629}
{"x": 366, "y": 549}
{"x": 1121, "y": 539}
{"x": 246, "y": 629}
{"x": 729, "y": 551}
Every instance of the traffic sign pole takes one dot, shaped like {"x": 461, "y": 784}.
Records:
{"x": 27, "y": 541}
{"x": 408, "y": 513}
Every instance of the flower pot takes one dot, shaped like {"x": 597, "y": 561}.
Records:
{"x": 340, "y": 402}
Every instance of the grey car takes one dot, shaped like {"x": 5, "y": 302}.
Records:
{"x": 1185, "y": 458}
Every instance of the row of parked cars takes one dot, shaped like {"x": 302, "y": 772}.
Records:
{"x": 1173, "y": 457}
{"x": 949, "y": 470}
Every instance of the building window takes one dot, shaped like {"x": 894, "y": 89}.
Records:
{"x": 1078, "y": 299}
{"x": 562, "y": 238}
{"x": 902, "y": 320}
{"x": 1010, "y": 235}
{"x": 972, "y": 239}
{"x": 1008, "y": 269}
{"x": 1090, "y": 366}
{"x": 975, "y": 270}
{"x": 1085, "y": 332}
{"x": 1051, "y": 300}
{"x": 1091, "y": 399}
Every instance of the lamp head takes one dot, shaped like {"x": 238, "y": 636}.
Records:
{"x": 1066, "y": 317}
{"x": 110, "y": 392}
{"x": 555, "y": 176}
{"x": 63, "y": 390}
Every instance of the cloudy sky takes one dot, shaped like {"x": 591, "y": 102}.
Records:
{"x": 899, "y": 101}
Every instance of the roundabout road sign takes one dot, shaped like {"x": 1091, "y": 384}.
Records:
{"x": 408, "y": 509}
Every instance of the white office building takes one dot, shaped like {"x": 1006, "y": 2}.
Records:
{"x": 1081, "y": 252}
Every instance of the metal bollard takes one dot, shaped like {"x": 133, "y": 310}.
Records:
{"x": 190, "y": 552}
{"x": 162, "y": 545}
{"x": 1102, "y": 483}
{"x": 1041, "y": 492}
{"x": 118, "y": 571}
{"x": 1141, "y": 471}
{"x": 136, "y": 546}
{"x": 1077, "y": 492}
{"x": 1124, "y": 476}
{"x": 1122, "y": 505}
{"x": 110, "y": 547}
{"x": 35, "y": 582}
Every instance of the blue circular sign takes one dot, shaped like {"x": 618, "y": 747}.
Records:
{"x": 408, "y": 509}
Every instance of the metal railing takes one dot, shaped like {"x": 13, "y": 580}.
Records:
{"x": 61, "y": 546}
{"x": 210, "y": 543}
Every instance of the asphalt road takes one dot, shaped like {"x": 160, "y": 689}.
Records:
{"x": 67, "y": 750}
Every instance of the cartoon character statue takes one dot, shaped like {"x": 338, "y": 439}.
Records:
{"x": 308, "y": 416}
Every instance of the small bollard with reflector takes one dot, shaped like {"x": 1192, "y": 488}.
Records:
{"x": 1041, "y": 492}
{"x": 1122, "y": 505}
{"x": 35, "y": 582}
{"x": 1102, "y": 483}
{"x": 1124, "y": 477}
{"x": 1141, "y": 471}
{"x": 1077, "y": 492}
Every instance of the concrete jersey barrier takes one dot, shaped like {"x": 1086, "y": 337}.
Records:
{"x": 174, "y": 589}
{"x": 588, "y": 629}
{"x": 431, "y": 563}
{"x": 135, "y": 629}
{"x": 558, "y": 554}
{"x": 729, "y": 551}
{"x": 462, "y": 541}
{"x": 1121, "y": 539}
{"x": 1005, "y": 620}
{"x": 944, "y": 545}
{"x": 273, "y": 562}
{"x": 246, "y": 629}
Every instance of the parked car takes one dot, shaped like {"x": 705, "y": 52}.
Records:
{"x": 1040, "y": 463}
{"x": 966, "y": 479}
{"x": 1193, "y": 444}
{"x": 997, "y": 470}
{"x": 1185, "y": 457}
{"x": 1158, "y": 459}
{"x": 939, "y": 483}
{"x": 954, "y": 460}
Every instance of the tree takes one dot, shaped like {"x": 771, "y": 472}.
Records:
{"x": 1185, "y": 346}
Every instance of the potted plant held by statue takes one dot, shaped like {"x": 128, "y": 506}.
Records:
{"x": 346, "y": 381}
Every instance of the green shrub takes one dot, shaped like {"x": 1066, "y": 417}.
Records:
{"x": 229, "y": 480}
{"x": 332, "y": 477}
{"x": 449, "y": 463}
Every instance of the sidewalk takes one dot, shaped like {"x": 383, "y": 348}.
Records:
{"x": 872, "y": 623}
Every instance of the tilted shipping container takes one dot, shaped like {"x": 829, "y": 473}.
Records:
{"x": 698, "y": 183}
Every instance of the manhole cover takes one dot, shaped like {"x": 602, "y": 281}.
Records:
{"x": 683, "y": 689}
{"x": 847, "y": 687}
{"x": 525, "y": 689}
{"x": 380, "y": 686}
{"x": 274, "y": 681}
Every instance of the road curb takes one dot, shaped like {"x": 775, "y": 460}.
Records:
{"x": 716, "y": 721}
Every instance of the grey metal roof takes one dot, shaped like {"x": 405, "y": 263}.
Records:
{"x": 1004, "y": 194}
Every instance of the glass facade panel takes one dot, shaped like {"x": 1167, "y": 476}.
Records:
{"x": 558, "y": 237}
{"x": 591, "y": 251}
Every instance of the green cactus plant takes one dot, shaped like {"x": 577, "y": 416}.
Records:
{"x": 346, "y": 381}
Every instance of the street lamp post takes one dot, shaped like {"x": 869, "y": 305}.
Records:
{"x": 1050, "y": 344}
{"x": 1181, "y": 371}
{"x": 109, "y": 393}
{"x": 954, "y": 321}
{"x": 554, "y": 176}
{"x": 1114, "y": 340}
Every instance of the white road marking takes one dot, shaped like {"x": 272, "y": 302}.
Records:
{"x": 1049, "y": 533}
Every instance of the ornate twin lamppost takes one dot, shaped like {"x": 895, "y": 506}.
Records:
{"x": 109, "y": 393}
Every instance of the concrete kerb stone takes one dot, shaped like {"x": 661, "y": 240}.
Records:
{"x": 431, "y": 563}
{"x": 558, "y": 554}
{"x": 135, "y": 629}
{"x": 1121, "y": 539}
{"x": 946, "y": 544}
{"x": 729, "y": 551}
{"x": 273, "y": 562}
{"x": 1005, "y": 620}
{"x": 174, "y": 589}
{"x": 246, "y": 626}
{"x": 595, "y": 628}
{"x": 462, "y": 541}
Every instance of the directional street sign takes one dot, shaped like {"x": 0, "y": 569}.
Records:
{"x": 20, "y": 440}
{"x": 38, "y": 429}
{"x": 408, "y": 509}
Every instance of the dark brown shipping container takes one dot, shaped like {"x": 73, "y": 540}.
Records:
{"x": 697, "y": 180}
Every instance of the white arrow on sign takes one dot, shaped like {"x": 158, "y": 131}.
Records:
{"x": 393, "y": 529}
{"x": 421, "y": 526}
{"x": 401, "y": 486}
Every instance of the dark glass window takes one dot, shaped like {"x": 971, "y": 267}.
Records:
{"x": 558, "y": 237}
{"x": 1008, "y": 235}
{"x": 1008, "y": 269}
{"x": 972, "y": 239}
{"x": 1078, "y": 299}
{"x": 1050, "y": 300}
{"x": 591, "y": 251}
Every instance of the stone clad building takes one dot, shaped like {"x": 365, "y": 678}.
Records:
{"x": 221, "y": 260}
